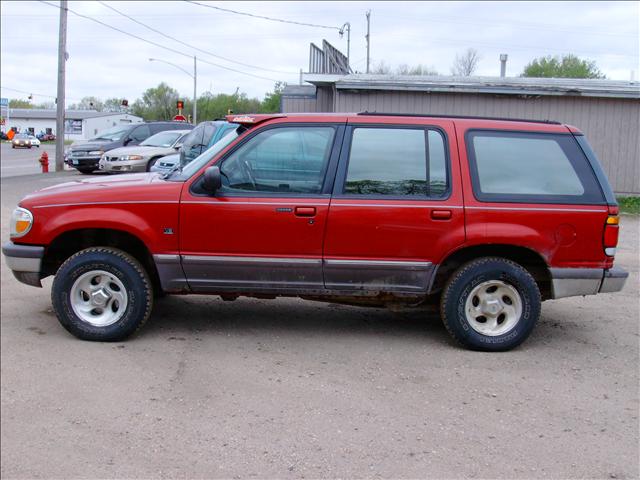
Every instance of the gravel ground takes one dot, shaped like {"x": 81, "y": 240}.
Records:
{"x": 292, "y": 389}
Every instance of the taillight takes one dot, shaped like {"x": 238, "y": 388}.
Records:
{"x": 611, "y": 232}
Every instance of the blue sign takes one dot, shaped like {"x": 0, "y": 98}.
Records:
{"x": 4, "y": 102}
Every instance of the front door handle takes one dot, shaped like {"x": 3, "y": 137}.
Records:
{"x": 305, "y": 211}
{"x": 441, "y": 214}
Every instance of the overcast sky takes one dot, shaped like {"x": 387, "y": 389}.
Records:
{"x": 106, "y": 63}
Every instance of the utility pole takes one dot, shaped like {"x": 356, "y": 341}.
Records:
{"x": 62, "y": 58}
{"x": 195, "y": 97}
{"x": 368, "y": 37}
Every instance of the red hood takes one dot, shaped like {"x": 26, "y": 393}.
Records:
{"x": 138, "y": 187}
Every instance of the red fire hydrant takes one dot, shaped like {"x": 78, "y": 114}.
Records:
{"x": 44, "y": 161}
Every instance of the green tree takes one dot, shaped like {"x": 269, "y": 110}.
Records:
{"x": 88, "y": 103}
{"x": 157, "y": 103}
{"x": 271, "y": 102}
{"x": 567, "y": 66}
{"x": 17, "y": 103}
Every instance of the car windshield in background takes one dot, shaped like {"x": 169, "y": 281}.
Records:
{"x": 162, "y": 139}
{"x": 207, "y": 155}
{"x": 113, "y": 134}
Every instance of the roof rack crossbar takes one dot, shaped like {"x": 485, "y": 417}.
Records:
{"x": 429, "y": 115}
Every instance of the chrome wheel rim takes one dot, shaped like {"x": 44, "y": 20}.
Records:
{"x": 98, "y": 298}
{"x": 493, "y": 308}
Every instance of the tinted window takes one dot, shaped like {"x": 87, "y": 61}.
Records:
{"x": 192, "y": 145}
{"x": 209, "y": 132}
{"x": 288, "y": 160}
{"x": 530, "y": 167}
{"x": 140, "y": 133}
{"x": 396, "y": 161}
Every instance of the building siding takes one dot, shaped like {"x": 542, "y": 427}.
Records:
{"x": 612, "y": 125}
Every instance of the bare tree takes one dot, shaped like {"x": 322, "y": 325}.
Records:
{"x": 382, "y": 68}
{"x": 466, "y": 63}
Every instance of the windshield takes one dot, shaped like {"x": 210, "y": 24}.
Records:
{"x": 198, "y": 162}
{"x": 113, "y": 134}
{"x": 162, "y": 139}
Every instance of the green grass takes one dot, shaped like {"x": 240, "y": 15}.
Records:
{"x": 629, "y": 205}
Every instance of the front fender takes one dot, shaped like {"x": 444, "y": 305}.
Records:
{"x": 156, "y": 227}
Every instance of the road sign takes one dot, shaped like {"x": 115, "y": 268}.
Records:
{"x": 180, "y": 118}
{"x": 4, "y": 102}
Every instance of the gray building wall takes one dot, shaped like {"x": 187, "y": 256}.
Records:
{"x": 612, "y": 125}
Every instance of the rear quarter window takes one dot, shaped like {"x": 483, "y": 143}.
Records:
{"x": 530, "y": 168}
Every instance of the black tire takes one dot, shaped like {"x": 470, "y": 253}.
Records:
{"x": 453, "y": 303}
{"x": 86, "y": 171}
{"x": 127, "y": 270}
{"x": 151, "y": 163}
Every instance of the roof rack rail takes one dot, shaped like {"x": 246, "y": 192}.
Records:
{"x": 429, "y": 115}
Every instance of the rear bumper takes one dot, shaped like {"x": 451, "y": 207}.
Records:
{"x": 572, "y": 282}
{"x": 24, "y": 261}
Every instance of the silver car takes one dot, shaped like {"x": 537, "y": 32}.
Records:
{"x": 140, "y": 158}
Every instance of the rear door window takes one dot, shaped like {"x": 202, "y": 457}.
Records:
{"x": 397, "y": 162}
{"x": 530, "y": 167}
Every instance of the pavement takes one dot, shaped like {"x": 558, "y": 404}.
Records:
{"x": 24, "y": 161}
{"x": 295, "y": 389}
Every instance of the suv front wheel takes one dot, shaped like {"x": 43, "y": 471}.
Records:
{"x": 102, "y": 294}
{"x": 490, "y": 304}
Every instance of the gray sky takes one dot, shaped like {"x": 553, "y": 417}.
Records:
{"x": 105, "y": 63}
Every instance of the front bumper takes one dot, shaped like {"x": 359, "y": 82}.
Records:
{"x": 123, "y": 166}
{"x": 572, "y": 282}
{"x": 83, "y": 162}
{"x": 25, "y": 261}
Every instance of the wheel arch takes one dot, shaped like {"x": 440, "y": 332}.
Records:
{"x": 529, "y": 259}
{"x": 67, "y": 243}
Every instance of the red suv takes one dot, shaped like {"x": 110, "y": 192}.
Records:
{"x": 488, "y": 217}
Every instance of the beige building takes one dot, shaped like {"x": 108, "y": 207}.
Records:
{"x": 607, "y": 111}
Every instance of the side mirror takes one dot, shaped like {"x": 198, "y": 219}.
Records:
{"x": 177, "y": 147}
{"x": 212, "y": 180}
{"x": 126, "y": 142}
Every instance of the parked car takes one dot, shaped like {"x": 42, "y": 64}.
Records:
{"x": 85, "y": 156}
{"x": 142, "y": 157}
{"x": 34, "y": 141}
{"x": 205, "y": 135}
{"x": 21, "y": 140}
{"x": 486, "y": 218}
{"x": 202, "y": 137}
{"x": 46, "y": 137}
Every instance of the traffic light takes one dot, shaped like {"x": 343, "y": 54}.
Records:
{"x": 179, "y": 104}
{"x": 125, "y": 103}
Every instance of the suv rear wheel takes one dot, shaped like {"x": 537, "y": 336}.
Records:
{"x": 490, "y": 304}
{"x": 102, "y": 294}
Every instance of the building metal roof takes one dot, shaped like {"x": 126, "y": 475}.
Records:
{"x": 35, "y": 113}
{"x": 486, "y": 85}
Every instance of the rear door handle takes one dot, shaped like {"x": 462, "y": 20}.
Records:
{"x": 305, "y": 211}
{"x": 441, "y": 214}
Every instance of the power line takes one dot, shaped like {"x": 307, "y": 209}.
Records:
{"x": 191, "y": 46}
{"x": 35, "y": 94}
{"x": 293, "y": 22}
{"x": 157, "y": 44}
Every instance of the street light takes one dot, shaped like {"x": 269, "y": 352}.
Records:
{"x": 346, "y": 26}
{"x": 194, "y": 76}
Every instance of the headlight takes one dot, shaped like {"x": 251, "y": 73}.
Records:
{"x": 131, "y": 157}
{"x": 96, "y": 152}
{"x": 21, "y": 221}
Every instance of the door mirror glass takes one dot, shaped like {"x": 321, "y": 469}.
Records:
{"x": 212, "y": 180}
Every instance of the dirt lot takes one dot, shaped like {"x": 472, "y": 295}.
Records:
{"x": 294, "y": 389}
